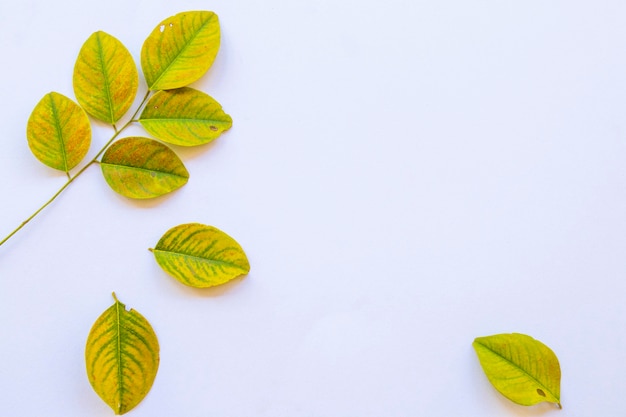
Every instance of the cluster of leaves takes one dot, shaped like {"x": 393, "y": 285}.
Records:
{"x": 178, "y": 52}
{"x": 122, "y": 350}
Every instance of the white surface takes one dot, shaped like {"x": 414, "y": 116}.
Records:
{"x": 404, "y": 176}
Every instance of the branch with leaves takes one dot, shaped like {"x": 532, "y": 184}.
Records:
{"x": 178, "y": 52}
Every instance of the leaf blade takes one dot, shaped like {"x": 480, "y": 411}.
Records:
{"x": 184, "y": 117}
{"x": 142, "y": 168}
{"x": 121, "y": 357}
{"x": 200, "y": 256}
{"x": 105, "y": 77}
{"x": 180, "y": 49}
{"x": 521, "y": 368}
{"x": 58, "y": 132}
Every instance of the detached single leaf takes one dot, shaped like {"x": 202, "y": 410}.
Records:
{"x": 185, "y": 117}
{"x": 58, "y": 132}
{"x": 180, "y": 50}
{"x": 521, "y": 368}
{"x": 122, "y": 357}
{"x": 142, "y": 168}
{"x": 105, "y": 78}
{"x": 200, "y": 256}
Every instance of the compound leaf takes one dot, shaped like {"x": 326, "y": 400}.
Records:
{"x": 521, "y": 368}
{"x": 185, "y": 117}
{"x": 141, "y": 168}
{"x": 58, "y": 132}
{"x": 200, "y": 256}
{"x": 121, "y": 357}
{"x": 105, "y": 78}
{"x": 180, "y": 50}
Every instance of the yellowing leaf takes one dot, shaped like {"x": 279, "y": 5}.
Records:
{"x": 142, "y": 168}
{"x": 200, "y": 256}
{"x": 122, "y": 357}
{"x": 521, "y": 368}
{"x": 58, "y": 132}
{"x": 105, "y": 78}
{"x": 185, "y": 117}
{"x": 180, "y": 50}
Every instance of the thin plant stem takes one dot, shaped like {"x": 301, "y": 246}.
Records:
{"x": 70, "y": 178}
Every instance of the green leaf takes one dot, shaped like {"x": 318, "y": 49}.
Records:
{"x": 185, "y": 117}
{"x": 521, "y": 368}
{"x": 180, "y": 50}
{"x": 142, "y": 168}
{"x": 200, "y": 256}
{"x": 122, "y": 357}
{"x": 105, "y": 78}
{"x": 58, "y": 132}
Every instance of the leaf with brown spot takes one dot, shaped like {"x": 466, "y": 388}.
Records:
{"x": 185, "y": 117}
{"x": 521, "y": 368}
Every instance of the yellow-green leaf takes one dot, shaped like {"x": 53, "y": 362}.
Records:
{"x": 521, "y": 368}
{"x": 58, "y": 132}
{"x": 142, "y": 168}
{"x": 180, "y": 50}
{"x": 200, "y": 256}
{"x": 105, "y": 78}
{"x": 185, "y": 117}
{"x": 122, "y": 357}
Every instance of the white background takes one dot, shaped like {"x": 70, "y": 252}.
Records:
{"x": 403, "y": 175}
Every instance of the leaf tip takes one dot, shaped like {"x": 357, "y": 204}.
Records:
{"x": 476, "y": 343}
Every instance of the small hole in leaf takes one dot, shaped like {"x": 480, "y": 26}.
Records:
{"x": 540, "y": 392}
{"x": 213, "y": 128}
{"x": 156, "y": 107}
{"x": 171, "y": 24}
{"x": 162, "y": 28}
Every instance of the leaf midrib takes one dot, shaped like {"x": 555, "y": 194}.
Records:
{"x": 216, "y": 262}
{"x": 120, "y": 373}
{"x": 105, "y": 73}
{"x": 59, "y": 130}
{"x": 181, "y": 119}
{"x": 144, "y": 169}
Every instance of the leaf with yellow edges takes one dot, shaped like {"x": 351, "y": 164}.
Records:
{"x": 105, "y": 77}
{"x": 200, "y": 256}
{"x": 180, "y": 50}
{"x": 58, "y": 132}
{"x": 122, "y": 357}
{"x": 141, "y": 168}
{"x": 185, "y": 117}
{"x": 521, "y": 368}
